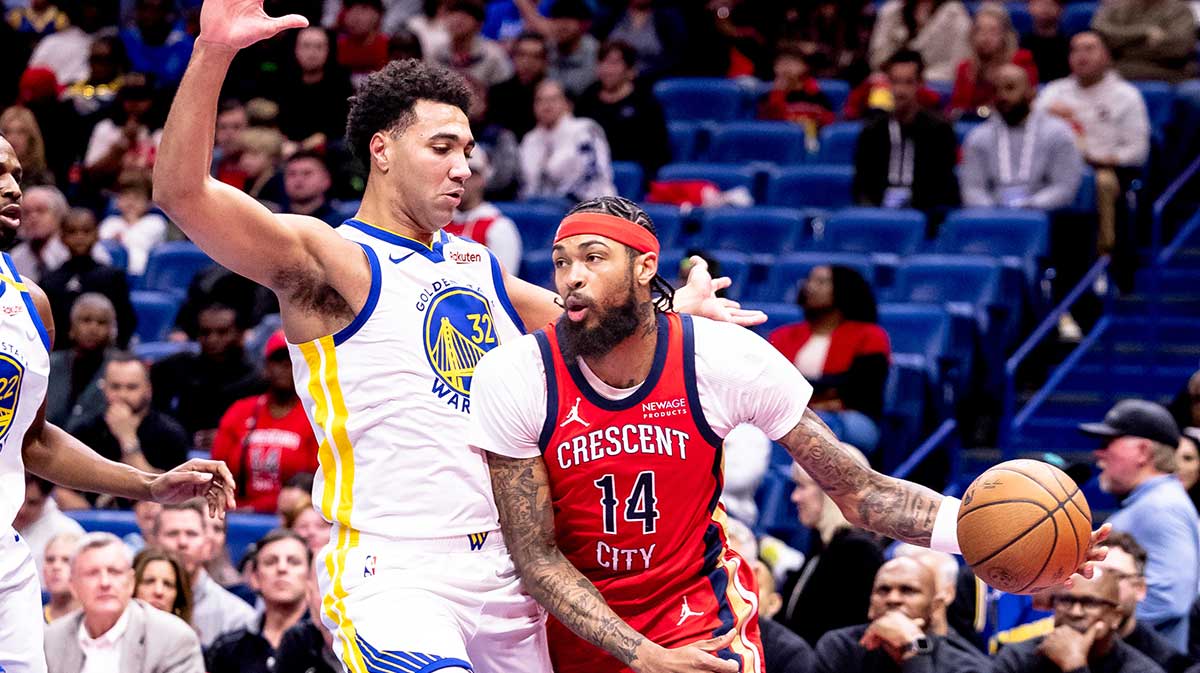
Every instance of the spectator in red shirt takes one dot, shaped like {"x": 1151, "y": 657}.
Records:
{"x": 266, "y": 439}
{"x": 994, "y": 43}
{"x": 842, "y": 351}
{"x": 796, "y": 95}
{"x": 361, "y": 47}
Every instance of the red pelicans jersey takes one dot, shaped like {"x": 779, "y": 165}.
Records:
{"x": 635, "y": 486}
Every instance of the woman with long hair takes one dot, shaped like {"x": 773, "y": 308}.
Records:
{"x": 938, "y": 29}
{"x": 841, "y": 349}
{"x": 20, "y": 128}
{"x": 56, "y": 576}
{"x": 160, "y": 579}
{"x": 994, "y": 43}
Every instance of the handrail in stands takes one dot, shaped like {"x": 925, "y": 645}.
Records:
{"x": 944, "y": 431}
{"x": 1007, "y": 423}
{"x": 1155, "y": 293}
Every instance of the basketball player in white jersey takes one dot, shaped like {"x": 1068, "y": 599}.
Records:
{"x": 386, "y": 317}
{"x": 29, "y": 442}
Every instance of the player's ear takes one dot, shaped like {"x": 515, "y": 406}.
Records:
{"x": 380, "y": 155}
{"x": 645, "y": 267}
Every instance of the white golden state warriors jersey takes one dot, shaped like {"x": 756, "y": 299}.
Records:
{"x": 24, "y": 372}
{"x": 389, "y": 395}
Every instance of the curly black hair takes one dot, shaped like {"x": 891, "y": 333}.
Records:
{"x": 662, "y": 293}
{"x": 385, "y": 101}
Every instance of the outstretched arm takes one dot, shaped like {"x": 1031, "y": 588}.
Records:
{"x": 287, "y": 253}
{"x": 522, "y": 492}
{"x": 893, "y": 507}
{"x": 51, "y": 453}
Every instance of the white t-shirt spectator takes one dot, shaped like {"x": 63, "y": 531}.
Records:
{"x": 485, "y": 224}
{"x": 1109, "y": 117}
{"x": 138, "y": 237}
{"x": 66, "y": 53}
{"x": 570, "y": 160}
{"x": 740, "y": 379}
{"x": 747, "y": 457}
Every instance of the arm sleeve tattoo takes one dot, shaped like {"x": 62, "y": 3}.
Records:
{"x": 522, "y": 493}
{"x": 898, "y": 509}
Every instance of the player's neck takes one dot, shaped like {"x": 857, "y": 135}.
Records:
{"x": 378, "y": 210}
{"x": 628, "y": 363}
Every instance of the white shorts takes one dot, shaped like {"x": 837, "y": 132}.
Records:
{"x": 417, "y": 606}
{"x": 21, "y": 624}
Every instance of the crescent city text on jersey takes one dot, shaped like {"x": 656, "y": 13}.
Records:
{"x": 617, "y": 440}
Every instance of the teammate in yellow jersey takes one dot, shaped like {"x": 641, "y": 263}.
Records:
{"x": 386, "y": 316}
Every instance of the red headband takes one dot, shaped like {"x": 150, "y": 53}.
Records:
{"x": 609, "y": 226}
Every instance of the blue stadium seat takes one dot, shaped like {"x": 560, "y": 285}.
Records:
{"x": 118, "y": 253}
{"x": 956, "y": 281}
{"x": 1077, "y": 17}
{"x": 773, "y": 141}
{"x": 788, "y": 272}
{"x": 725, "y": 176}
{"x": 838, "y": 141}
{"x": 155, "y": 311}
{"x": 881, "y": 231}
{"x": 813, "y": 186}
{"x": 1021, "y": 19}
{"x": 778, "y": 315}
{"x": 537, "y": 222}
{"x": 904, "y": 399}
{"x": 761, "y": 229}
{"x": 700, "y": 98}
{"x": 153, "y": 351}
{"x": 1019, "y": 238}
{"x": 538, "y": 268}
{"x": 1159, "y": 96}
{"x": 735, "y": 265}
{"x": 172, "y": 265}
{"x": 837, "y": 91}
{"x": 627, "y": 178}
{"x": 241, "y": 529}
{"x": 668, "y": 223}
{"x": 684, "y": 138}
{"x": 919, "y": 334}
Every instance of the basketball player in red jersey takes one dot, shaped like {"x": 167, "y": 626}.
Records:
{"x": 607, "y": 428}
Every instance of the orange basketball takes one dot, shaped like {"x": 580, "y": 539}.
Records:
{"x": 1024, "y": 526}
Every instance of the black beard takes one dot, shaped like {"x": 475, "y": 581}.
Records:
{"x": 613, "y": 325}
{"x": 1016, "y": 115}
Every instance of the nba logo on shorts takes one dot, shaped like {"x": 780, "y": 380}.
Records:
{"x": 369, "y": 566}
{"x": 10, "y": 390}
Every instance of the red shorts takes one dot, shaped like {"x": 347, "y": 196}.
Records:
{"x": 709, "y": 607}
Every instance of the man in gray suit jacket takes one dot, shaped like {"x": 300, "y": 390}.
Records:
{"x": 113, "y": 633}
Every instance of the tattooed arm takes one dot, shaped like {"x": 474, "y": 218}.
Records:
{"x": 522, "y": 492}
{"x": 876, "y": 502}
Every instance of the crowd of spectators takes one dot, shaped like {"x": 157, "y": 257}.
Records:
{"x": 564, "y": 88}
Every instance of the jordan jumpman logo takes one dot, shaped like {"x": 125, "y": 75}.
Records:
{"x": 573, "y": 416}
{"x": 687, "y": 612}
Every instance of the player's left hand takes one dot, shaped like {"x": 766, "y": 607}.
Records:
{"x": 195, "y": 478}
{"x": 1096, "y": 552}
{"x": 699, "y": 297}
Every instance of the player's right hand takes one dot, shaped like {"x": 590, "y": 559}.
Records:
{"x": 241, "y": 23}
{"x": 687, "y": 659}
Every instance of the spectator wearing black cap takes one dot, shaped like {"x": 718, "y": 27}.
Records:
{"x": 467, "y": 51}
{"x": 1137, "y": 462}
{"x": 574, "y": 52}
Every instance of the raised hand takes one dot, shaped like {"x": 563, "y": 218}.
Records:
{"x": 1096, "y": 552}
{"x": 195, "y": 478}
{"x": 692, "y": 658}
{"x": 240, "y": 23}
{"x": 699, "y": 297}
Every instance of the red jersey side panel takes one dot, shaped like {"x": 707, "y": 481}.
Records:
{"x": 635, "y": 486}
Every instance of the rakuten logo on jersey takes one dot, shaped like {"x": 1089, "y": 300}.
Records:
{"x": 665, "y": 408}
{"x": 463, "y": 257}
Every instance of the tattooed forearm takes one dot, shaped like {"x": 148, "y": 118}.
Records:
{"x": 898, "y": 509}
{"x": 522, "y": 494}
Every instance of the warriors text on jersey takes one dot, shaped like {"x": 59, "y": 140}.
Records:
{"x": 389, "y": 396}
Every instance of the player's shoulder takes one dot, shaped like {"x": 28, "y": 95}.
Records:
{"x": 710, "y": 335}
{"x": 518, "y": 357}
